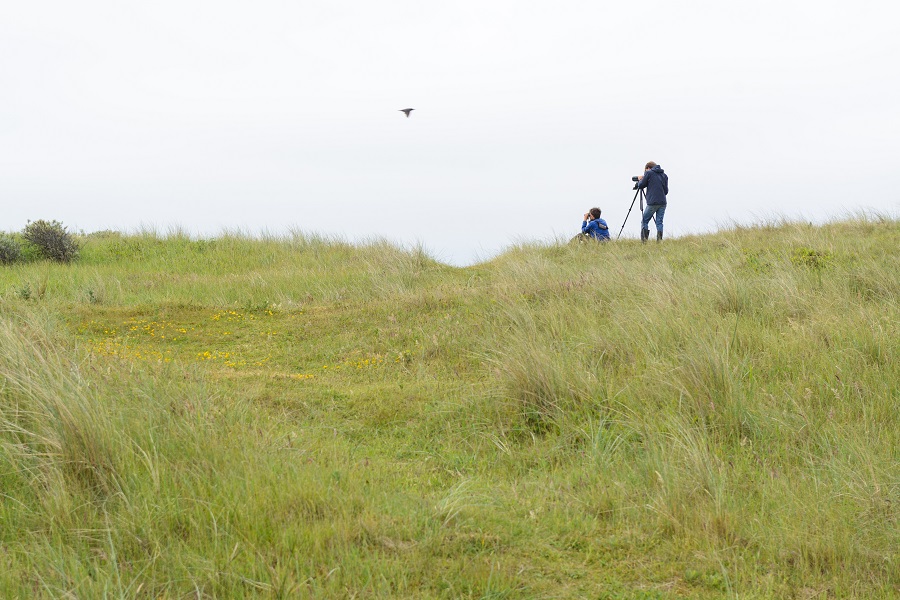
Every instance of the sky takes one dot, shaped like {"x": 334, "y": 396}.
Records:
{"x": 269, "y": 117}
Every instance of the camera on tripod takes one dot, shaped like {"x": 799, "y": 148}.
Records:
{"x": 638, "y": 193}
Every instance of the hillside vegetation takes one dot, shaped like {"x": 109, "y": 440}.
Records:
{"x": 710, "y": 417}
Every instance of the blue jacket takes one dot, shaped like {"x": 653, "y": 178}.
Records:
{"x": 657, "y": 183}
{"x": 596, "y": 228}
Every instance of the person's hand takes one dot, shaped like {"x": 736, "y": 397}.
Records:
{"x": 587, "y": 216}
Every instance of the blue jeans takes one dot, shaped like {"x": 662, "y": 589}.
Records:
{"x": 659, "y": 209}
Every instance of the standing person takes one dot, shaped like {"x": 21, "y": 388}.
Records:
{"x": 656, "y": 183}
{"x": 594, "y": 226}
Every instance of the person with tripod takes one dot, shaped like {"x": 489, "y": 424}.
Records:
{"x": 656, "y": 183}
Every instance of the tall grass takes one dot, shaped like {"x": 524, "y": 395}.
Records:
{"x": 714, "y": 416}
{"x": 749, "y": 374}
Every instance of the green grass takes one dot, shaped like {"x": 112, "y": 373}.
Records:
{"x": 712, "y": 417}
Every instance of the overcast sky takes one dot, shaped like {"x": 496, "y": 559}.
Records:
{"x": 268, "y": 116}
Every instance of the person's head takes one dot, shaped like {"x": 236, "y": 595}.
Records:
{"x": 649, "y": 165}
{"x": 595, "y": 213}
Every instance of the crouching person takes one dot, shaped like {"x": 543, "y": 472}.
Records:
{"x": 595, "y": 227}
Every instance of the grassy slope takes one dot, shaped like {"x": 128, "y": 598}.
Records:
{"x": 715, "y": 416}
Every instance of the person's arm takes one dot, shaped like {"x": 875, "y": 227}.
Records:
{"x": 585, "y": 226}
{"x": 645, "y": 179}
{"x": 666, "y": 186}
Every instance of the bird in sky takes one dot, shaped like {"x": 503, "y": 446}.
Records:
{"x": 407, "y": 111}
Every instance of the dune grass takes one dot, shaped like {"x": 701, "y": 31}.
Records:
{"x": 712, "y": 417}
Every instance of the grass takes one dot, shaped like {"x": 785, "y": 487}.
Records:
{"x": 712, "y": 417}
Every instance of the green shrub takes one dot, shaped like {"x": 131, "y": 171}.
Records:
{"x": 811, "y": 259}
{"x": 52, "y": 240}
{"x": 10, "y": 249}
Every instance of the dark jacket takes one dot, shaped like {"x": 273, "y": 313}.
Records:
{"x": 657, "y": 183}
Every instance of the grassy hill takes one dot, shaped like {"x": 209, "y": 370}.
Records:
{"x": 711, "y": 417}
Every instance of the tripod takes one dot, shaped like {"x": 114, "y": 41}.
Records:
{"x": 643, "y": 194}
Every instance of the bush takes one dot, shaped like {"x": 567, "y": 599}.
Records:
{"x": 10, "y": 249}
{"x": 52, "y": 239}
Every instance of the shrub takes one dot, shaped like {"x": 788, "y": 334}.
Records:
{"x": 811, "y": 259}
{"x": 52, "y": 239}
{"x": 10, "y": 249}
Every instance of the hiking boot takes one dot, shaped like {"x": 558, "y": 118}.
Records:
{"x": 659, "y": 236}
{"x": 645, "y": 235}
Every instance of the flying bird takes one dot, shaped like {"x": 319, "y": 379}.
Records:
{"x": 407, "y": 111}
